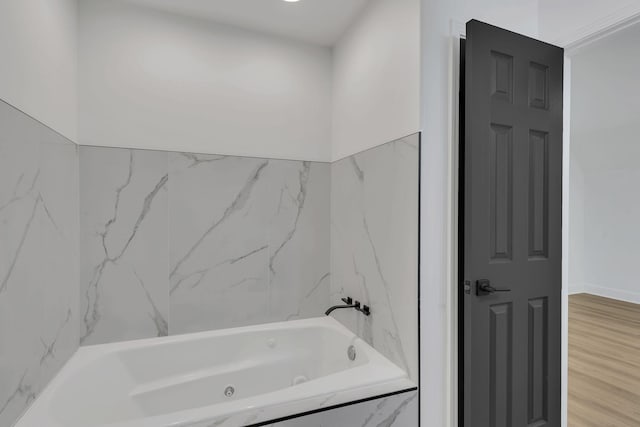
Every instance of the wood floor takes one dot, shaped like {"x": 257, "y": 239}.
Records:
{"x": 604, "y": 362}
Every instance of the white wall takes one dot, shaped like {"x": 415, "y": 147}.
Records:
{"x": 606, "y": 160}
{"x": 151, "y": 79}
{"x": 561, "y": 20}
{"x": 577, "y": 209}
{"x": 439, "y": 20}
{"x": 376, "y": 77}
{"x": 38, "y": 51}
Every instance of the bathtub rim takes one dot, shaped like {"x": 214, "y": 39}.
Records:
{"x": 259, "y": 415}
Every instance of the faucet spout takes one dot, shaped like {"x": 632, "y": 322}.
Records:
{"x": 336, "y": 307}
{"x": 349, "y": 303}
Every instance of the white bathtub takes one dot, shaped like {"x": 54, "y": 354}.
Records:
{"x": 276, "y": 370}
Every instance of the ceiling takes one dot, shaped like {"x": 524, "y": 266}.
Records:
{"x": 313, "y": 21}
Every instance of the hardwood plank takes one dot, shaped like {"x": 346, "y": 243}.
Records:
{"x": 604, "y": 362}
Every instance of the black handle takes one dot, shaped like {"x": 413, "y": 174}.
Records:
{"x": 364, "y": 309}
{"x": 483, "y": 287}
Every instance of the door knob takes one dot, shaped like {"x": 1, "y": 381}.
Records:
{"x": 483, "y": 287}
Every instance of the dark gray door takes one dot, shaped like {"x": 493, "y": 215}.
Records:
{"x": 511, "y": 231}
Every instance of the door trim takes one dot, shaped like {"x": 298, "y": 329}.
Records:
{"x": 458, "y": 33}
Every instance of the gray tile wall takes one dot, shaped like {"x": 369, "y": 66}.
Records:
{"x": 181, "y": 242}
{"x": 38, "y": 258}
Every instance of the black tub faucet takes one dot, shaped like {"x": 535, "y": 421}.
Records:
{"x": 350, "y": 303}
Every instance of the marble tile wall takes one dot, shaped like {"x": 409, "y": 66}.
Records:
{"x": 124, "y": 244}
{"x": 181, "y": 242}
{"x": 374, "y": 246}
{"x": 38, "y": 258}
{"x": 400, "y": 410}
{"x": 249, "y": 241}
{"x": 395, "y": 411}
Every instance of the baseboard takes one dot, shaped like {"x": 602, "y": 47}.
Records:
{"x": 602, "y": 291}
{"x": 576, "y": 288}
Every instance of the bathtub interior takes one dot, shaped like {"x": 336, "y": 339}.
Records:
{"x": 151, "y": 378}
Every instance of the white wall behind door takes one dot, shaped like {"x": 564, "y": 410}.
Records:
{"x": 605, "y": 202}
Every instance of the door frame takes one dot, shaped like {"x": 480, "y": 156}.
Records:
{"x": 573, "y": 43}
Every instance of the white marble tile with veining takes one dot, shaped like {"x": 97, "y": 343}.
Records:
{"x": 374, "y": 247}
{"x": 394, "y": 411}
{"x": 38, "y": 258}
{"x": 124, "y": 291}
{"x": 399, "y": 410}
{"x": 20, "y": 298}
{"x": 218, "y": 242}
{"x": 299, "y": 239}
{"x": 241, "y": 248}
{"x": 59, "y": 260}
